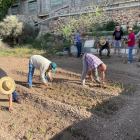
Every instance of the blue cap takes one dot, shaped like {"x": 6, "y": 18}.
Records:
{"x": 53, "y": 65}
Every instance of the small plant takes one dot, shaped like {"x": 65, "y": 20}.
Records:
{"x": 34, "y": 106}
{"x": 122, "y": 85}
{"x": 72, "y": 100}
{"x": 94, "y": 108}
{"x": 72, "y": 129}
{"x": 83, "y": 104}
{"x": 42, "y": 129}
{"x": 30, "y": 134}
{"x": 46, "y": 93}
{"x": 57, "y": 120}
{"x": 16, "y": 124}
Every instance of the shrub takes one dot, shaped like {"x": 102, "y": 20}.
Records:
{"x": 10, "y": 27}
{"x": 28, "y": 33}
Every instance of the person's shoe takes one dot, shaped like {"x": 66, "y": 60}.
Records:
{"x": 100, "y": 57}
{"x": 30, "y": 87}
{"x": 18, "y": 100}
{"x": 139, "y": 60}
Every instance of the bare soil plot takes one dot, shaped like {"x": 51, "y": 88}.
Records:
{"x": 64, "y": 110}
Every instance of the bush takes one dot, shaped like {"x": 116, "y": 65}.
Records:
{"x": 10, "y": 27}
{"x": 28, "y": 33}
{"x": 109, "y": 26}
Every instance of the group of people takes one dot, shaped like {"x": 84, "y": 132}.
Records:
{"x": 91, "y": 64}
{"x": 117, "y": 38}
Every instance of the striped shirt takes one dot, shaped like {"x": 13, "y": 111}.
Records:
{"x": 93, "y": 61}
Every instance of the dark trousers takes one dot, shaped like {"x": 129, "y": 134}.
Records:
{"x": 101, "y": 49}
{"x": 78, "y": 44}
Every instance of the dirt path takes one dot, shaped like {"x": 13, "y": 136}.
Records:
{"x": 67, "y": 111}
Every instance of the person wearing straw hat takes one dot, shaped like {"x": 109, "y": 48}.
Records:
{"x": 7, "y": 87}
{"x": 103, "y": 45}
{"x": 44, "y": 65}
{"x": 131, "y": 44}
{"x": 91, "y": 63}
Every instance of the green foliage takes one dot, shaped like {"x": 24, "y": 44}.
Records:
{"x": 10, "y": 27}
{"x": 108, "y": 26}
{"x": 4, "y": 5}
{"x": 86, "y": 21}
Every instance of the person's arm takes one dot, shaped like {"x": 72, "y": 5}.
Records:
{"x": 10, "y": 102}
{"x": 49, "y": 75}
{"x": 42, "y": 76}
{"x": 89, "y": 74}
{"x": 102, "y": 77}
{"x": 122, "y": 38}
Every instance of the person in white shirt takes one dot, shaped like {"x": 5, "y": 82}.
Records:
{"x": 44, "y": 65}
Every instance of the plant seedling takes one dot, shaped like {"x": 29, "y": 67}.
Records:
{"x": 72, "y": 129}
{"x": 46, "y": 93}
{"x": 83, "y": 104}
{"x": 122, "y": 85}
{"x": 94, "y": 108}
{"x": 72, "y": 100}
{"x": 42, "y": 129}
{"x": 57, "y": 120}
{"x": 34, "y": 106}
{"x": 130, "y": 87}
{"x": 30, "y": 134}
{"x": 16, "y": 124}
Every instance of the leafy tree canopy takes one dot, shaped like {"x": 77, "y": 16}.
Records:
{"x": 4, "y": 5}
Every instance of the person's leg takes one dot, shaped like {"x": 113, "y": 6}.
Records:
{"x": 130, "y": 54}
{"x": 108, "y": 49}
{"x": 115, "y": 43}
{"x": 100, "y": 52}
{"x": 15, "y": 97}
{"x": 95, "y": 75}
{"x": 46, "y": 78}
{"x": 80, "y": 45}
{"x": 78, "y": 49}
{"x": 30, "y": 74}
{"x": 119, "y": 46}
{"x": 85, "y": 69}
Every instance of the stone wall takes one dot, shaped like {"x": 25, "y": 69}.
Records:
{"x": 124, "y": 16}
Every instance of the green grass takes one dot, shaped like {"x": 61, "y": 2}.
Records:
{"x": 19, "y": 52}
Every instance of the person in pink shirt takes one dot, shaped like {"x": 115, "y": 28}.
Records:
{"x": 131, "y": 44}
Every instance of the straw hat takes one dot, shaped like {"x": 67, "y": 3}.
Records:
{"x": 103, "y": 42}
{"x": 7, "y": 85}
{"x": 130, "y": 29}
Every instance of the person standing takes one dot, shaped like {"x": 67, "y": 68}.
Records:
{"x": 131, "y": 44}
{"x": 90, "y": 64}
{"x": 78, "y": 43}
{"x": 103, "y": 45}
{"x": 117, "y": 39}
{"x": 44, "y": 65}
{"x": 7, "y": 87}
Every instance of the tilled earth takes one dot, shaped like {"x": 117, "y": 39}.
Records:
{"x": 67, "y": 111}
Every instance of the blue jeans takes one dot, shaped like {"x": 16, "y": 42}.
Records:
{"x": 117, "y": 42}
{"x": 130, "y": 54}
{"x": 14, "y": 95}
{"x": 78, "y": 44}
{"x": 30, "y": 74}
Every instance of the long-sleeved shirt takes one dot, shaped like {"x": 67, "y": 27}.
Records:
{"x": 78, "y": 38}
{"x": 42, "y": 64}
{"x": 138, "y": 36}
{"x": 93, "y": 61}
